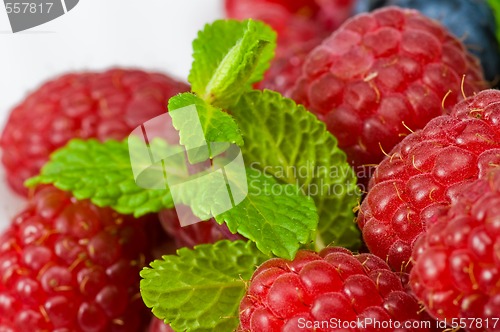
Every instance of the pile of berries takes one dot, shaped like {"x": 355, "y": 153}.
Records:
{"x": 404, "y": 97}
{"x": 67, "y": 265}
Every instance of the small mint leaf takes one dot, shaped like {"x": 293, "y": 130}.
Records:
{"x": 277, "y": 217}
{"x": 210, "y": 125}
{"x": 102, "y": 173}
{"x": 201, "y": 289}
{"x": 229, "y": 56}
{"x": 290, "y": 143}
{"x": 218, "y": 188}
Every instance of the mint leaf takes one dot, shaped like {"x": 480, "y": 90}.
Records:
{"x": 213, "y": 190}
{"x": 199, "y": 131}
{"x": 290, "y": 143}
{"x": 229, "y": 56}
{"x": 201, "y": 289}
{"x": 274, "y": 215}
{"x": 102, "y": 173}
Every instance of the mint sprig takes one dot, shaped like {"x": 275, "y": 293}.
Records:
{"x": 229, "y": 56}
{"x": 291, "y": 144}
{"x": 277, "y": 217}
{"x": 200, "y": 289}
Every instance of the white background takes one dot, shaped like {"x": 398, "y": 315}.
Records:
{"x": 97, "y": 34}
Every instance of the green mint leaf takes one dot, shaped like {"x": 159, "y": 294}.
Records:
{"x": 290, "y": 143}
{"x": 213, "y": 191}
{"x": 201, "y": 289}
{"x": 102, "y": 173}
{"x": 206, "y": 132}
{"x": 229, "y": 56}
{"x": 276, "y": 216}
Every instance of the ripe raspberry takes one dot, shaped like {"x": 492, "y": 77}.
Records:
{"x": 286, "y": 68}
{"x": 457, "y": 265}
{"x": 334, "y": 284}
{"x": 321, "y": 15}
{"x": 301, "y": 26}
{"x": 470, "y": 20}
{"x": 87, "y": 105}
{"x": 157, "y": 325}
{"x": 67, "y": 265}
{"x": 293, "y": 21}
{"x": 380, "y": 71}
{"x": 415, "y": 184}
{"x": 189, "y": 236}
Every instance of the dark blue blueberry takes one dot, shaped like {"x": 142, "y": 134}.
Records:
{"x": 472, "y": 21}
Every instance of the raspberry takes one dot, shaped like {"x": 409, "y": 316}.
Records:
{"x": 413, "y": 186}
{"x": 157, "y": 325}
{"x": 320, "y": 15}
{"x": 458, "y": 259}
{"x": 107, "y": 105}
{"x": 301, "y": 26}
{"x": 293, "y": 21}
{"x": 286, "y": 68}
{"x": 381, "y": 73}
{"x": 470, "y": 20}
{"x": 189, "y": 236}
{"x": 67, "y": 265}
{"x": 330, "y": 286}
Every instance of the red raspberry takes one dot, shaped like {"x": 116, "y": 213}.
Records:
{"x": 189, "y": 236}
{"x": 381, "y": 73}
{"x": 67, "y": 265}
{"x": 457, "y": 261}
{"x": 286, "y": 68}
{"x": 301, "y": 26}
{"x": 334, "y": 284}
{"x": 413, "y": 186}
{"x": 279, "y": 15}
{"x": 157, "y": 325}
{"x": 321, "y": 16}
{"x": 87, "y": 105}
